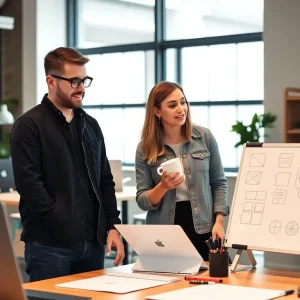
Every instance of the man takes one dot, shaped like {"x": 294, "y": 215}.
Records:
{"x": 68, "y": 205}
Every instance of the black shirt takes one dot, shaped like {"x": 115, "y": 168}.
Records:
{"x": 89, "y": 201}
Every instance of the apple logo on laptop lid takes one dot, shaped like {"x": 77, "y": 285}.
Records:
{"x": 3, "y": 173}
{"x": 159, "y": 243}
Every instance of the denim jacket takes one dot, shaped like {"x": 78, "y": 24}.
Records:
{"x": 205, "y": 178}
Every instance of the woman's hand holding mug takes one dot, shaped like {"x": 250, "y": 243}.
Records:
{"x": 172, "y": 173}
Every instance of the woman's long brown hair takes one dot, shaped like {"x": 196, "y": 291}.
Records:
{"x": 152, "y": 134}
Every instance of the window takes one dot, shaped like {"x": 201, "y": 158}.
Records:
{"x": 119, "y": 78}
{"x": 213, "y": 49}
{"x": 214, "y": 74}
{"x": 187, "y": 19}
{"x": 115, "y": 22}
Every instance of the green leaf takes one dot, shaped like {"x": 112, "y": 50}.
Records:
{"x": 4, "y": 150}
{"x": 250, "y": 133}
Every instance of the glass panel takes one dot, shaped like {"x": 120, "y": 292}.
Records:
{"x": 245, "y": 114}
{"x": 199, "y": 115}
{"x": 250, "y": 72}
{"x": 105, "y": 22}
{"x": 106, "y": 119}
{"x": 120, "y": 78}
{"x": 171, "y": 71}
{"x": 195, "y": 73}
{"x": 120, "y": 141}
{"x": 132, "y": 127}
{"x": 188, "y": 19}
{"x": 222, "y": 72}
{"x": 220, "y": 122}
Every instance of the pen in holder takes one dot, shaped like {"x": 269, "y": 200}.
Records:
{"x": 218, "y": 264}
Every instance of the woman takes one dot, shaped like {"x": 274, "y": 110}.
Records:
{"x": 197, "y": 201}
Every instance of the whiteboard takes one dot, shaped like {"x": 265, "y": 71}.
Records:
{"x": 265, "y": 211}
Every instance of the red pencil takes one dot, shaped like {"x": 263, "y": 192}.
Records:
{"x": 203, "y": 279}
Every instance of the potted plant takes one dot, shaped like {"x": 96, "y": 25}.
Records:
{"x": 252, "y": 132}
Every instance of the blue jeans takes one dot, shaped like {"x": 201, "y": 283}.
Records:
{"x": 44, "y": 262}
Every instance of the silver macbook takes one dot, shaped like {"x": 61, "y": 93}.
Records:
{"x": 6, "y": 175}
{"x": 116, "y": 170}
{"x": 10, "y": 279}
{"x": 162, "y": 249}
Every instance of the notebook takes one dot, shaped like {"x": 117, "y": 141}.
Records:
{"x": 162, "y": 249}
{"x": 10, "y": 279}
{"x": 221, "y": 291}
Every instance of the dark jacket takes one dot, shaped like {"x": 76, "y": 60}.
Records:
{"x": 46, "y": 177}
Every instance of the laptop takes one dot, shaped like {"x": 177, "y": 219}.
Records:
{"x": 10, "y": 280}
{"x": 7, "y": 181}
{"x": 116, "y": 170}
{"x": 162, "y": 249}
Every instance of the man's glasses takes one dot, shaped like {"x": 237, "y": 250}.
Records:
{"x": 76, "y": 82}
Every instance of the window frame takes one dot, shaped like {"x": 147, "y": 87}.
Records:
{"x": 160, "y": 46}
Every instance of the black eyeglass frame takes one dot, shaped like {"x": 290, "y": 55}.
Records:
{"x": 78, "y": 80}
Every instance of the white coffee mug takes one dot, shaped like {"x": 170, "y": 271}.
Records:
{"x": 171, "y": 166}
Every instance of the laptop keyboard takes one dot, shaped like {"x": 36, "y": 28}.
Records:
{"x": 144, "y": 276}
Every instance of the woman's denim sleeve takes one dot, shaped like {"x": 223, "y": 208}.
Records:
{"x": 144, "y": 182}
{"x": 218, "y": 181}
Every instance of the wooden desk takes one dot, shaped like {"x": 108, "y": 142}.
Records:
{"x": 260, "y": 277}
{"x": 129, "y": 193}
{"x": 12, "y": 198}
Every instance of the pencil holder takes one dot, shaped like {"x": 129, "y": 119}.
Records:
{"x": 218, "y": 264}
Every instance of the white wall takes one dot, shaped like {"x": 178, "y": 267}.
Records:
{"x": 282, "y": 63}
{"x": 282, "y": 68}
{"x": 44, "y": 28}
{"x": 29, "y": 66}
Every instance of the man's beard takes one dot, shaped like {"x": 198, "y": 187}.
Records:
{"x": 67, "y": 102}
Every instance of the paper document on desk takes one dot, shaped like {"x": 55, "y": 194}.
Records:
{"x": 113, "y": 284}
{"x": 218, "y": 291}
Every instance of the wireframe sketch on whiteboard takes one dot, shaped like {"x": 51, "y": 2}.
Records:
{"x": 291, "y": 228}
{"x": 256, "y": 195}
{"x": 275, "y": 226}
{"x": 248, "y": 206}
{"x": 253, "y": 177}
{"x": 279, "y": 197}
{"x": 282, "y": 179}
{"x": 252, "y": 213}
{"x": 257, "y": 159}
{"x": 285, "y": 160}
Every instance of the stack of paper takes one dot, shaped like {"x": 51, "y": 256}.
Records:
{"x": 119, "y": 282}
{"x": 219, "y": 291}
